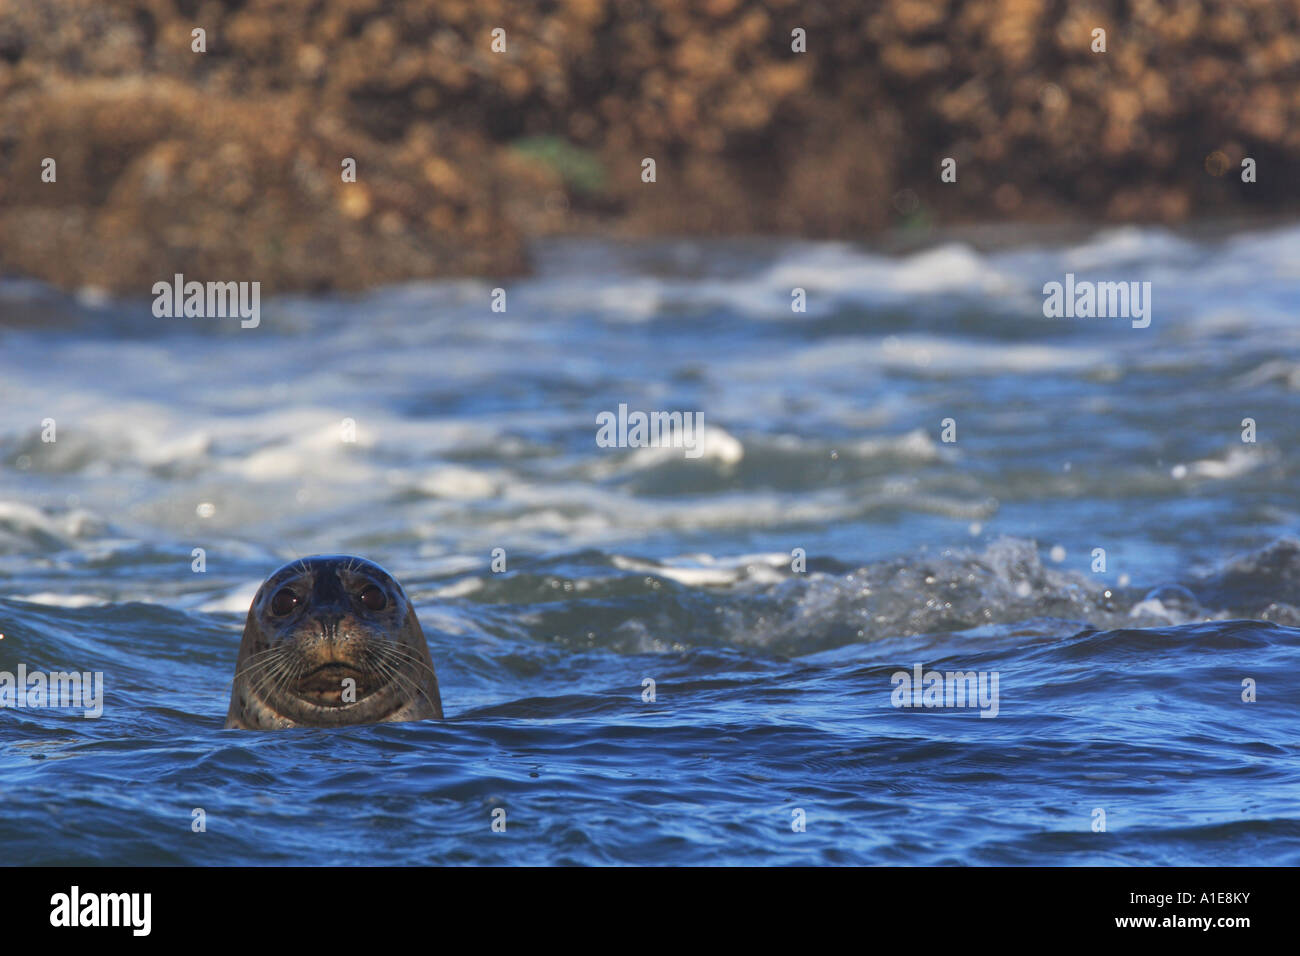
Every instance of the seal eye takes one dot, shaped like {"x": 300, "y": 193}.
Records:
{"x": 283, "y": 602}
{"x": 373, "y": 598}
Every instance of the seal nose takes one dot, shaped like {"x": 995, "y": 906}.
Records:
{"x": 329, "y": 605}
{"x": 332, "y": 645}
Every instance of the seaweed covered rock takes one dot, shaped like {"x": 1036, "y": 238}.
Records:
{"x": 475, "y": 125}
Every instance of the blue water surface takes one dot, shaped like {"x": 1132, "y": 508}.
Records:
{"x": 1099, "y": 536}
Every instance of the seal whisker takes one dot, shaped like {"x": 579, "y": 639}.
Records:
{"x": 291, "y": 674}
{"x": 270, "y": 672}
{"x": 251, "y": 671}
{"x": 421, "y": 686}
{"x": 398, "y": 650}
{"x": 393, "y": 657}
{"x": 394, "y": 654}
{"x": 395, "y": 674}
{"x": 259, "y": 660}
{"x": 287, "y": 673}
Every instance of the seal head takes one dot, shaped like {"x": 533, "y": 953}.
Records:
{"x": 332, "y": 640}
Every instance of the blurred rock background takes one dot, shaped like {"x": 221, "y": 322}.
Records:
{"x": 226, "y": 164}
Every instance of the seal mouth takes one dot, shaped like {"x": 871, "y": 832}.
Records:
{"x": 326, "y": 685}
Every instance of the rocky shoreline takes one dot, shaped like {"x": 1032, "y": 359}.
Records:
{"x": 227, "y": 163}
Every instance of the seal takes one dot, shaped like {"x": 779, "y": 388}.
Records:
{"x": 331, "y": 640}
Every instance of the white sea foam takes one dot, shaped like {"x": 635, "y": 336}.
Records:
{"x": 474, "y": 428}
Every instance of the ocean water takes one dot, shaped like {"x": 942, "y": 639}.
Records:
{"x": 825, "y": 539}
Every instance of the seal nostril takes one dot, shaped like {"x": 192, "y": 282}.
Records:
{"x": 329, "y": 626}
